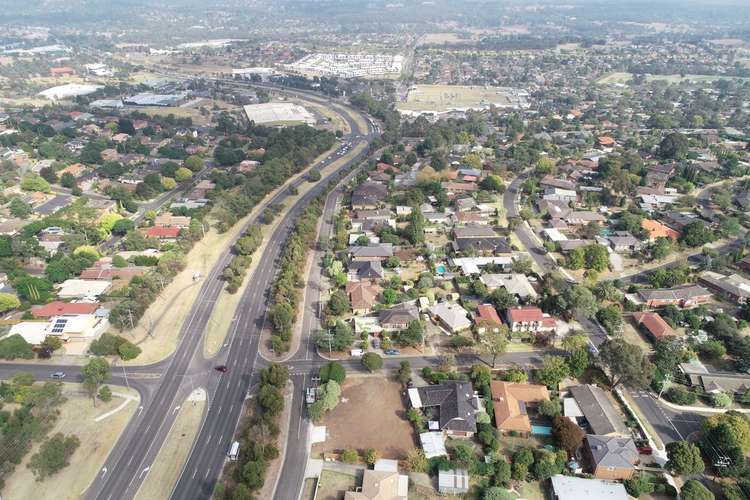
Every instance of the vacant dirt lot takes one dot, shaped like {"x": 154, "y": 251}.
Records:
{"x": 370, "y": 415}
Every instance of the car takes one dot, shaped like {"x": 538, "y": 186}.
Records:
{"x": 645, "y": 450}
{"x": 221, "y": 368}
{"x": 391, "y": 352}
{"x": 58, "y": 375}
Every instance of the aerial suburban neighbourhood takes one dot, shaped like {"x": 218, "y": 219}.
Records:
{"x": 319, "y": 250}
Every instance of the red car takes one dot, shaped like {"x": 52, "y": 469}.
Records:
{"x": 221, "y": 368}
{"x": 645, "y": 450}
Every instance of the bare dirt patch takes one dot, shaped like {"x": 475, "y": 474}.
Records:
{"x": 370, "y": 415}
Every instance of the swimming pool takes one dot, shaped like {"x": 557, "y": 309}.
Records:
{"x": 440, "y": 269}
{"x": 541, "y": 430}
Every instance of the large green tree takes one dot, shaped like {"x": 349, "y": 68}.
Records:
{"x": 626, "y": 363}
{"x": 684, "y": 458}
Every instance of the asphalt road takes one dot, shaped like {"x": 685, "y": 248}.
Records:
{"x": 128, "y": 464}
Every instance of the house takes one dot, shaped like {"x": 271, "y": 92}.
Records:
{"x": 451, "y": 407}
{"x": 583, "y": 217}
{"x": 369, "y": 195}
{"x": 733, "y": 286}
{"x": 76, "y": 170}
{"x": 678, "y": 220}
{"x": 529, "y": 319}
{"x": 654, "y": 325}
{"x": 163, "y": 232}
{"x": 62, "y": 71}
{"x": 578, "y": 488}
{"x": 362, "y": 295}
{"x": 380, "y": 484}
{"x": 109, "y": 272}
{"x": 169, "y": 220}
{"x": 471, "y": 218}
{"x": 623, "y": 241}
{"x": 611, "y": 457}
{"x": 511, "y": 402}
{"x": 453, "y": 481}
{"x": 451, "y": 316}
{"x": 515, "y": 283}
{"x": 560, "y": 195}
{"x": 712, "y": 383}
{"x": 78, "y": 288}
{"x": 371, "y": 270}
{"x": 658, "y": 230}
{"x": 398, "y": 317}
{"x": 486, "y": 318}
{"x": 77, "y": 331}
{"x": 473, "y": 265}
{"x": 377, "y": 252}
{"x": 682, "y": 296}
{"x": 59, "y": 308}
{"x": 480, "y": 239}
{"x": 384, "y": 216}
{"x": 551, "y": 182}
{"x": 599, "y": 413}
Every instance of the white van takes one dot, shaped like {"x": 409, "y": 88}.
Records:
{"x": 234, "y": 451}
{"x": 357, "y": 353}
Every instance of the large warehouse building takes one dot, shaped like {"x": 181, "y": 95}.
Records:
{"x": 279, "y": 114}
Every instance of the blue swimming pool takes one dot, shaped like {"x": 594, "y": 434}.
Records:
{"x": 541, "y": 430}
{"x": 440, "y": 269}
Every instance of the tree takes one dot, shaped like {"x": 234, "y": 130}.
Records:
{"x": 661, "y": 248}
{"x": 693, "y": 490}
{"x": 53, "y": 456}
{"x": 372, "y": 361}
{"x": 415, "y": 229}
{"x": 626, "y": 363}
{"x": 416, "y": 461}
{"x": 596, "y": 257}
{"x": 338, "y": 339}
{"x": 332, "y": 371}
{"x": 568, "y": 435}
{"x": 580, "y": 301}
{"x": 8, "y": 301}
{"x": 697, "y": 234}
{"x": 67, "y": 180}
{"x": 122, "y": 226}
{"x": 639, "y": 484}
{"x": 94, "y": 373}
{"x": 554, "y": 369}
{"x": 684, "y": 458}
{"x": 168, "y": 183}
{"x": 183, "y": 175}
{"x": 610, "y": 318}
{"x": 194, "y": 163}
{"x": 128, "y": 350}
{"x": 550, "y": 408}
{"x": 493, "y": 342}
{"x": 721, "y": 400}
{"x": 371, "y": 456}
{"x": 674, "y": 147}
{"x": 727, "y": 430}
{"x": 105, "y": 393}
{"x": 14, "y": 347}
{"x": 52, "y": 342}
{"x": 404, "y": 372}
{"x": 19, "y": 208}
{"x": 339, "y": 303}
{"x": 578, "y": 361}
{"x": 270, "y": 399}
{"x": 34, "y": 182}
{"x": 680, "y": 395}
{"x": 276, "y": 375}
{"x": 411, "y": 336}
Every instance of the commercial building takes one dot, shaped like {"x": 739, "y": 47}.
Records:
{"x": 278, "y": 114}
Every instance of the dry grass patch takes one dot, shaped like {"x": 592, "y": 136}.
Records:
{"x": 77, "y": 416}
{"x": 174, "y": 452}
{"x": 333, "y": 485}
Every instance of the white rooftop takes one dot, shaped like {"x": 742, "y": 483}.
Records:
{"x": 278, "y": 113}
{"x": 577, "y": 488}
{"x": 69, "y": 90}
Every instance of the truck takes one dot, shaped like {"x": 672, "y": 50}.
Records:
{"x": 234, "y": 451}
{"x": 310, "y": 394}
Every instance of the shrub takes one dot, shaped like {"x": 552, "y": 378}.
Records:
{"x": 350, "y": 456}
{"x": 14, "y": 347}
{"x": 681, "y": 395}
{"x": 333, "y": 371}
{"x": 128, "y": 350}
{"x": 721, "y": 400}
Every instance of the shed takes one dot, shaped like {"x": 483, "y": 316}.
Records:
{"x": 453, "y": 481}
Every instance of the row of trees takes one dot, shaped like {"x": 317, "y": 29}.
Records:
{"x": 258, "y": 438}
{"x": 244, "y": 249}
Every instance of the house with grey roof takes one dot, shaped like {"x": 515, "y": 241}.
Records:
{"x": 450, "y": 407}
{"x": 515, "y": 283}
{"x": 599, "y": 413}
{"x": 380, "y": 251}
{"x": 451, "y": 316}
{"x": 611, "y": 457}
{"x": 398, "y": 317}
{"x": 480, "y": 239}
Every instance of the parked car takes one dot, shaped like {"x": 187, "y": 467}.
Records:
{"x": 58, "y": 375}
{"x": 645, "y": 450}
{"x": 376, "y": 343}
{"x": 221, "y": 368}
{"x": 391, "y": 352}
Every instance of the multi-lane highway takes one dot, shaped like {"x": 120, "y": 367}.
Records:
{"x": 136, "y": 450}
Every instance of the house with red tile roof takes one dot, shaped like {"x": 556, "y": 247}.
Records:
{"x": 511, "y": 403}
{"x": 654, "y": 325}
{"x": 529, "y": 319}
{"x": 486, "y": 318}
{"x": 60, "y": 308}
{"x": 163, "y": 233}
{"x": 656, "y": 229}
